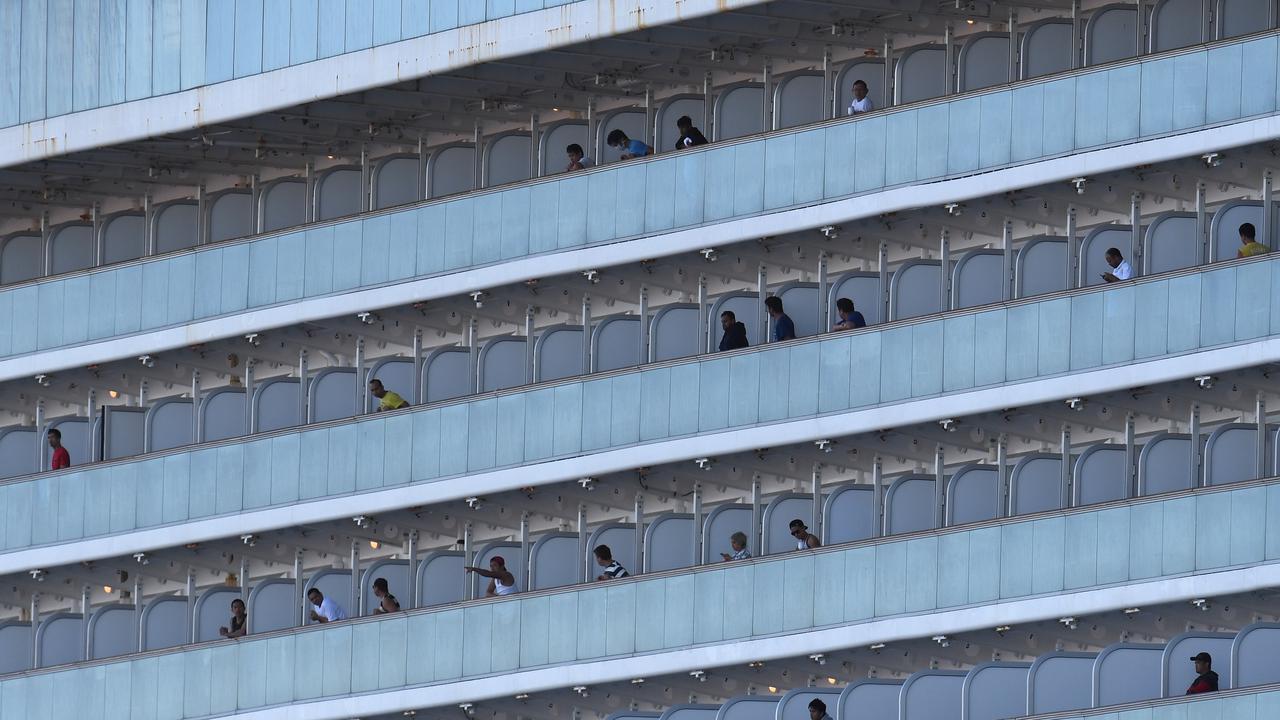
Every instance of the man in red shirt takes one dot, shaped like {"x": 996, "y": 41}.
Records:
{"x": 61, "y": 458}
{"x": 1206, "y": 678}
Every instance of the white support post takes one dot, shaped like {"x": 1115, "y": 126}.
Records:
{"x": 535, "y": 146}
{"x": 949, "y": 63}
{"x": 1268, "y": 209}
{"x": 417, "y": 366}
{"x": 524, "y": 542}
{"x": 637, "y": 518}
{"x": 191, "y": 604}
{"x": 828, "y": 89}
{"x": 529, "y": 329}
{"x": 1260, "y": 415}
{"x": 1197, "y": 458}
{"x": 1006, "y": 244}
{"x": 251, "y": 422}
{"x": 302, "y": 385}
{"x": 477, "y": 142}
{"x": 420, "y": 181}
{"x": 35, "y": 623}
{"x": 357, "y": 597}
{"x": 42, "y": 452}
{"x": 939, "y": 484}
{"x": 1208, "y": 248}
{"x": 196, "y": 425}
{"x": 244, "y": 578}
{"x": 362, "y": 397}
{"x": 766, "y": 79}
{"x": 473, "y": 345}
{"x": 1131, "y": 456}
{"x": 202, "y": 220}
{"x": 763, "y": 321}
{"x": 754, "y": 540}
{"x": 309, "y": 206}
{"x": 1076, "y": 37}
{"x": 649, "y": 111}
{"x": 255, "y": 197}
{"x": 366, "y": 178}
{"x": 1073, "y": 250}
{"x": 411, "y": 554}
{"x": 877, "y": 493}
{"x": 1002, "y": 472}
{"x": 708, "y": 103}
{"x": 1013, "y": 45}
{"x": 1135, "y": 223}
{"x": 697, "y": 520}
{"x": 882, "y": 266}
{"x": 299, "y": 599}
{"x": 47, "y": 258}
{"x": 890, "y": 92}
{"x": 1066, "y": 464}
{"x": 137, "y": 609}
{"x": 593, "y": 132}
{"x": 944, "y": 261}
{"x": 586, "y": 333}
{"x": 815, "y": 488}
{"x": 582, "y": 542}
{"x": 704, "y": 323}
{"x": 824, "y": 292}
{"x": 644, "y": 325}
{"x": 468, "y": 559}
{"x": 84, "y": 619}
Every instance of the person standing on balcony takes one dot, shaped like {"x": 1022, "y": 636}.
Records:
{"x": 239, "y": 621}
{"x": 737, "y": 541}
{"x": 735, "y": 333}
{"x": 612, "y": 568}
{"x": 818, "y": 710}
{"x": 630, "y": 148}
{"x": 325, "y": 610}
{"x": 61, "y": 458}
{"x": 861, "y": 103}
{"x": 783, "y": 327}
{"x": 1249, "y": 245}
{"x": 1206, "y": 678}
{"x": 387, "y": 400}
{"x": 850, "y": 319}
{"x": 1120, "y": 268}
{"x": 577, "y": 158}
{"x": 690, "y": 136}
{"x": 501, "y": 581}
{"x": 804, "y": 538}
{"x": 387, "y": 603}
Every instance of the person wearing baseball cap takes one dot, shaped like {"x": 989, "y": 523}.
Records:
{"x": 1206, "y": 679}
{"x": 501, "y": 581}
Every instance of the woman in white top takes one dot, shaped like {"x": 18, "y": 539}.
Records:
{"x": 501, "y": 581}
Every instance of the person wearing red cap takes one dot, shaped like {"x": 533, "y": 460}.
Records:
{"x": 501, "y": 581}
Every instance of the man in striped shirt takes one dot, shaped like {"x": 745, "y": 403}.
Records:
{"x": 612, "y": 570}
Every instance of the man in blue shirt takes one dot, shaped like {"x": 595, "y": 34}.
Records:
{"x": 850, "y": 319}
{"x": 630, "y": 148}
{"x": 783, "y": 328}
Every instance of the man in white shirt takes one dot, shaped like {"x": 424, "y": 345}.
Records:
{"x": 861, "y": 103}
{"x": 325, "y": 610}
{"x": 1120, "y": 268}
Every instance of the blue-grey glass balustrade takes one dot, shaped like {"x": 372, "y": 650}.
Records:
{"x": 63, "y": 56}
{"x": 1130, "y": 542}
{"x": 1146, "y": 98}
{"x": 835, "y": 373}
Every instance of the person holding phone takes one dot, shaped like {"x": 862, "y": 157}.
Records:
{"x": 738, "y": 541}
{"x": 1120, "y": 268}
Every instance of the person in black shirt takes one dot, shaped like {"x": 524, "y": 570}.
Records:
{"x": 1206, "y": 679}
{"x": 735, "y": 333}
{"x": 239, "y": 621}
{"x": 689, "y": 135}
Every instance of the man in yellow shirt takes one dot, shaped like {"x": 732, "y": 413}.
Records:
{"x": 1249, "y": 246}
{"x": 387, "y": 400}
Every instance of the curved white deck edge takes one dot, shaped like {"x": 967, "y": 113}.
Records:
{"x": 648, "y": 454}
{"x": 629, "y": 251}
{"x": 350, "y": 72}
